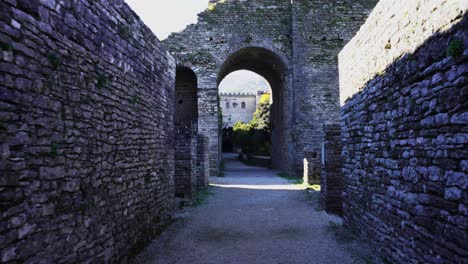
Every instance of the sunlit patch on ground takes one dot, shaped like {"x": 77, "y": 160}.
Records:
{"x": 260, "y": 187}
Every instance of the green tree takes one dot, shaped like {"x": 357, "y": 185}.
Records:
{"x": 261, "y": 116}
{"x": 254, "y": 137}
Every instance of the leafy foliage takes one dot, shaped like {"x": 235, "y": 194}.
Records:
{"x": 254, "y": 137}
{"x": 455, "y": 48}
{"x": 261, "y": 117}
{"x": 102, "y": 80}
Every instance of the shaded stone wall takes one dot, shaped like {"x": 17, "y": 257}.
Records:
{"x": 305, "y": 36}
{"x": 86, "y": 132}
{"x": 185, "y": 177}
{"x": 320, "y": 29}
{"x": 405, "y": 133}
{"x": 186, "y": 117}
{"x": 203, "y": 163}
{"x": 186, "y": 110}
{"x": 331, "y": 178}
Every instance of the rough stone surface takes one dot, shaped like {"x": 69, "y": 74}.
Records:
{"x": 375, "y": 47}
{"x": 331, "y": 179}
{"x": 405, "y": 132}
{"x": 185, "y": 177}
{"x": 86, "y": 132}
{"x": 187, "y": 167}
{"x": 292, "y": 44}
{"x": 203, "y": 163}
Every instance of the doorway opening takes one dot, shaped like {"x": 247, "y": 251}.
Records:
{"x": 252, "y": 88}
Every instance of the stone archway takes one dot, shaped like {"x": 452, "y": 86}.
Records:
{"x": 186, "y": 110}
{"x": 306, "y": 36}
{"x": 186, "y": 129}
{"x": 273, "y": 68}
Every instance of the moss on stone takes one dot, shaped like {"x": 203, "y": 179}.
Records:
{"x": 455, "y": 48}
{"x": 54, "y": 60}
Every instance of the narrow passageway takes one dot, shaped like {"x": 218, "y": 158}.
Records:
{"x": 251, "y": 216}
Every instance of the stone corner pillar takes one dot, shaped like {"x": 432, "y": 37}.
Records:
{"x": 331, "y": 179}
{"x": 203, "y": 162}
{"x": 185, "y": 177}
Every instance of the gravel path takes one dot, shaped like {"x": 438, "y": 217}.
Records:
{"x": 252, "y": 216}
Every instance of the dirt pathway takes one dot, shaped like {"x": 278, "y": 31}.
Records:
{"x": 252, "y": 216}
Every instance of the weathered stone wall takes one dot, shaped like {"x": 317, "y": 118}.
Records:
{"x": 203, "y": 163}
{"x": 331, "y": 178}
{"x": 185, "y": 177}
{"x": 232, "y": 110}
{"x": 375, "y": 48}
{"x": 303, "y": 38}
{"x": 186, "y": 110}
{"x": 185, "y": 120}
{"x": 222, "y": 30}
{"x": 86, "y": 132}
{"x": 320, "y": 29}
{"x": 405, "y": 133}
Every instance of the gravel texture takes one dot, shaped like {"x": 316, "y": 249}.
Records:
{"x": 251, "y": 216}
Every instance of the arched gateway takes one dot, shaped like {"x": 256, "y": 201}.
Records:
{"x": 294, "y": 46}
{"x": 273, "y": 68}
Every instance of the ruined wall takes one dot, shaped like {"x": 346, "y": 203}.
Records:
{"x": 185, "y": 177}
{"x": 186, "y": 109}
{"x": 331, "y": 180}
{"x": 87, "y": 157}
{"x": 306, "y": 35}
{"x": 203, "y": 162}
{"x": 405, "y": 131}
{"x": 320, "y": 29}
{"x": 222, "y": 30}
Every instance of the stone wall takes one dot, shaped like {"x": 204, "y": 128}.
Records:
{"x": 185, "y": 177}
{"x": 222, "y": 30}
{"x": 294, "y": 46}
{"x": 320, "y": 29}
{"x": 86, "y": 133}
{"x": 405, "y": 132}
{"x": 331, "y": 180}
{"x": 375, "y": 48}
{"x": 203, "y": 163}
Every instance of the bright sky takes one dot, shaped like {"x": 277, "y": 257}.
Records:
{"x": 244, "y": 81}
{"x": 167, "y": 16}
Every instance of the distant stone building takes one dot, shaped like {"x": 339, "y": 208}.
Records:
{"x": 238, "y": 107}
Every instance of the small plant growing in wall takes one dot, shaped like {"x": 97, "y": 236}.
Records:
{"x": 54, "y": 60}
{"x": 54, "y": 150}
{"x": 388, "y": 45}
{"x": 248, "y": 39}
{"x": 134, "y": 99}
{"x": 455, "y": 48}
{"x": 6, "y": 47}
{"x": 124, "y": 32}
{"x": 85, "y": 99}
{"x": 102, "y": 80}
